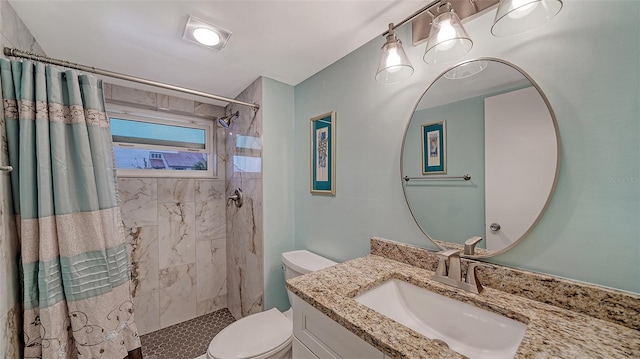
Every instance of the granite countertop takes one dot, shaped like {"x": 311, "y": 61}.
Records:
{"x": 552, "y": 332}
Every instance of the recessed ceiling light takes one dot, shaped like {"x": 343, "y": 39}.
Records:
{"x": 206, "y": 36}
{"x": 204, "y": 33}
{"x": 466, "y": 70}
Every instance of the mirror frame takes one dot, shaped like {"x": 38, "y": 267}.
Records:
{"x": 484, "y": 253}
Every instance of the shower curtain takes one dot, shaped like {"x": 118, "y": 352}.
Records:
{"x": 74, "y": 263}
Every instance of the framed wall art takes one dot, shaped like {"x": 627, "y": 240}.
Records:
{"x": 323, "y": 154}
{"x": 434, "y": 148}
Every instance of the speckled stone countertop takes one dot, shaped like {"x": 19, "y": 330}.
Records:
{"x": 552, "y": 331}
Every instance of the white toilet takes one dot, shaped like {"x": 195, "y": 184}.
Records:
{"x": 265, "y": 335}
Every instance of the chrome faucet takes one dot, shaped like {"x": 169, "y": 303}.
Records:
{"x": 470, "y": 245}
{"x": 448, "y": 272}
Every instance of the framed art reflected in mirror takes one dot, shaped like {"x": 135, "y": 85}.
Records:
{"x": 434, "y": 148}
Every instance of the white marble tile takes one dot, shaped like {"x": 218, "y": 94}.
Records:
{"x": 244, "y": 262}
{"x": 138, "y": 201}
{"x": 245, "y": 288}
{"x": 9, "y": 248}
{"x": 244, "y": 253}
{"x": 5, "y": 42}
{"x": 106, "y": 87}
{"x": 13, "y": 28}
{"x": 207, "y": 306}
{"x": 142, "y": 244}
{"x": 177, "y": 294}
{"x": 205, "y": 109}
{"x": 221, "y": 155}
{"x": 5, "y": 265}
{"x": 7, "y": 18}
{"x": 134, "y": 96}
{"x": 210, "y": 210}
{"x": 10, "y": 334}
{"x": 146, "y": 309}
{"x": 162, "y": 101}
{"x": 175, "y": 103}
{"x": 176, "y": 190}
{"x": 176, "y": 232}
{"x": 248, "y": 123}
{"x": 4, "y": 334}
{"x": 10, "y": 293}
{"x": 211, "y": 269}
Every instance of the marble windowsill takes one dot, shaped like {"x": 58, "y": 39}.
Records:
{"x": 553, "y": 329}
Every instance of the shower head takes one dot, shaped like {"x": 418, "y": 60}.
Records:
{"x": 226, "y": 120}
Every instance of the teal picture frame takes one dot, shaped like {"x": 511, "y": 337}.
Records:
{"x": 323, "y": 154}
{"x": 434, "y": 148}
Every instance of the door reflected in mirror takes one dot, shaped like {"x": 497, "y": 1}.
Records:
{"x": 501, "y": 131}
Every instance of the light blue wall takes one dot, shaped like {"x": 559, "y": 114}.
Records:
{"x": 438, "y": 204}
{"x": 277, "y": 117}
{"x": 587, "y": 62}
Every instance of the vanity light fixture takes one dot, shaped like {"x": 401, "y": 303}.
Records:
{"x": 206, "y": 34}
{"x": 448, "y": 40}
{"x": 394, "y": 64}
{"x": 446, "y": 37}
{"x": 517, "y": 16}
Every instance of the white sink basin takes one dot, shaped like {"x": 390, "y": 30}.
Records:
{"x": 468, "y": 330}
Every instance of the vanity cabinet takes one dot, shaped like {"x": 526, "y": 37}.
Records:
{"x": 317, "y": 336}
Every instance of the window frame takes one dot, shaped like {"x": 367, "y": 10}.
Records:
{"x": 166, "y": 118}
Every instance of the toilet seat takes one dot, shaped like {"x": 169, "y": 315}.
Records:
{"x": 255, "y": 336}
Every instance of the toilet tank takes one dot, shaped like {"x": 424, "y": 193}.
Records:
{"x": 302, "y": 262}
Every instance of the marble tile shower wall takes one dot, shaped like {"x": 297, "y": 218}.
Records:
{"x": 245, "y": 269}
{"x": 13, "y": 33}
{"x": 175, "y": 229}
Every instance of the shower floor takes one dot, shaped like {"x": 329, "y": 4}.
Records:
{"x": 186, "y": 340}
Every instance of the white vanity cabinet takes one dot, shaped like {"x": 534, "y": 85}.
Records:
{"x": 318, "y": 336}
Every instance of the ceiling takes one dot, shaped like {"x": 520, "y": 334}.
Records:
{"x": 287, "y": 41}
{"x": 496, "y": 77}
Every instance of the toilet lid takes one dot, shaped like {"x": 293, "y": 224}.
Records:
{"x": 251, "y": 336}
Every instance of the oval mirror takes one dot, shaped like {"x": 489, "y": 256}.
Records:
{"x": 480, "y": 157}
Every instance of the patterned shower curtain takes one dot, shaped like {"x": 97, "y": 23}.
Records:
{"x": 75, "y": 267}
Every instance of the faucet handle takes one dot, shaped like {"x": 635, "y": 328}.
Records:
{"x": 470, "y": 245}
{"x": 472, "y": 278}
{"x": 443, "y": 258}
{"x": 449, "y": 263}
{"x": 446, "y": 254}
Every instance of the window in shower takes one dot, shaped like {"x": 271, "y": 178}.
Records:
{"x": 248, "y": 156}
{"x": 155, "y": 144}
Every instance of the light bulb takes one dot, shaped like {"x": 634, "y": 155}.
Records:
{"x": 206, "y": 36}
{"x": 446, "y": 35}
{"x": 522, "y": 9}
{"x": 393, "y": 60}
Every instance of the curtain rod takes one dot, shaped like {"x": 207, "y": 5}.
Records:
{"x": 27, "y": 55}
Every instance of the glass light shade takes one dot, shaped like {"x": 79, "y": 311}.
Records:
{"x": 394, "y": 64}
{"x": 448, "y": 40}
{"x": 517, "y": 16}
